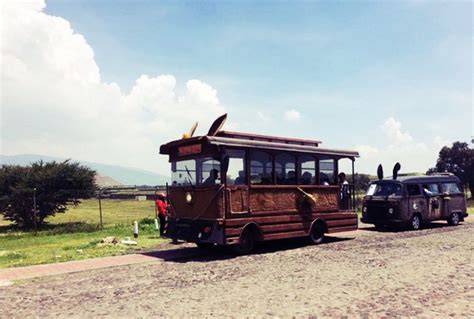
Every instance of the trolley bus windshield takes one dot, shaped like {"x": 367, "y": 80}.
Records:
{"x": 199, "y": 171}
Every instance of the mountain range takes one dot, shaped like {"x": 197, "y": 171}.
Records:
{"x": 108, "y": 175}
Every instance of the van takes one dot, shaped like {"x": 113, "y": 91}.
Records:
{"x": 410, "y": 201}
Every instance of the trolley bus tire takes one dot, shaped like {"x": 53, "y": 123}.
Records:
{"x": 246, "y": 243}
{"x": 379, "y": 227}
{"x": 316, "y": 235}
{"x": 453, "y": 219}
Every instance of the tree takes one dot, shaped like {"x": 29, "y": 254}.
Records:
{"x": 57, "y": 185}
{"x": 459, "y": 160}
{"x": 362, "y": 182}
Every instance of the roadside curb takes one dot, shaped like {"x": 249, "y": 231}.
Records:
{"x": 11, "y": 274}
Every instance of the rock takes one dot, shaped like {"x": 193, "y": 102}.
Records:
{"x": 109, "y": 240}
{"x": 128, "y": 242}
{"x": 5, "y": 282}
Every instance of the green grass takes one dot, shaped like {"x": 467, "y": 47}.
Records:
{"x": 75, "y": 234}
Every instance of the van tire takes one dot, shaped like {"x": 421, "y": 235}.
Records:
{"x": 316, "y": 235}
{"x": 453, "y": 219}
{"x": 415, "y": 222}
{"x": 246, "y": 243}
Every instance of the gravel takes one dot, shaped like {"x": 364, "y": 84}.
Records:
{"x": 367, "y": 273}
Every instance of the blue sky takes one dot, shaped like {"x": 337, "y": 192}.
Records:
{"x": 344, "y": 69}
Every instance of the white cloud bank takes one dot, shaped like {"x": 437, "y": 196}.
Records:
{"x": 54, "y": 102}
{"x": 401, "y": 147}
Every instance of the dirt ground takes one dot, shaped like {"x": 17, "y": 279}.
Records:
{"x": 428, "y": 273}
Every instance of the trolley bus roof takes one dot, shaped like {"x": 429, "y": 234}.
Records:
{"x": 253, "y": 141}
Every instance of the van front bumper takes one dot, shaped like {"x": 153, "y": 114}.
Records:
{"x": 393, "y": 222}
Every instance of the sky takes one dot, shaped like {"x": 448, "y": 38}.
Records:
{"x": 110, "y": 81}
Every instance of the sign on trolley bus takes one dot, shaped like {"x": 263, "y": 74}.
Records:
{"x": 231, "y": 188}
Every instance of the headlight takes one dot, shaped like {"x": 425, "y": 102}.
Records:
{"x": 364, "y": 210}
{"x": 188, "y": 197}
{"x": 390, "y": 210}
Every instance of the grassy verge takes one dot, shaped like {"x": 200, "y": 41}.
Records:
{"x": 470, "y": 207}
{"x": 76, "y": 234}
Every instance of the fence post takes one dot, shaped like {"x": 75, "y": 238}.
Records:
{"x": 100, "y": 209}
{"x": 34, "y": 210}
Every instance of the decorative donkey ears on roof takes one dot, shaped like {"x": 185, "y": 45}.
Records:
{"x": 396, "y": 168}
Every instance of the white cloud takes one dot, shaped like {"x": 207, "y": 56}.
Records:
{"x": 292, "y": 115}
{"x": 392, "y": 130}
{"x": 400, "y": 147}
{"x": 54, "y": 101}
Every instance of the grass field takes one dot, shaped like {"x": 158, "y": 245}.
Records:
{"x": 75, "y": 234}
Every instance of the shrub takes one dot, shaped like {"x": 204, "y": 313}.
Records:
{"x": 57, "y": 185}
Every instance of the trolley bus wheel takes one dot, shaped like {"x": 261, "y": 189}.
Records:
{"x": 453, "y": 219}
{"x": 247, "y": 242}
{"x": 316, "y": 236}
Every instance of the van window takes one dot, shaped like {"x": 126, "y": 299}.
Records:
{"x": 236, "y": 171}
{"x": 431, "y": 188}
{"x": 307, "y": 166}
{"x": 260, "y": 168}
{"x": 385, "y": 189}
{"x": 413, "y": 190}
{"x": 450, "y": 188}
{"x": 285, "y": 166}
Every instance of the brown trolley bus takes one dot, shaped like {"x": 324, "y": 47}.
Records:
{"x": 236, "y": 189}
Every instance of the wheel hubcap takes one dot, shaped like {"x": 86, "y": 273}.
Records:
{"x": 455, "y": 218}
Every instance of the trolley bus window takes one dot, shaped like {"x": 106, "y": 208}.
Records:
{"x": 260, "y": 168}
{"x": 285, "y": 165}
{"x": 210, "y": 171}
{"x": 183, "y": 172}
{"x": 201, "y": 171}
{"x": 326, "y": 168}
{"x": 307, "y": 166}
{"x": 236, "y": 171}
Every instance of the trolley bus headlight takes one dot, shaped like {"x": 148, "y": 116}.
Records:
{"x": 364, "y": 210}
{"x": 188, "y": 197}
{"x": 390, "y": 210}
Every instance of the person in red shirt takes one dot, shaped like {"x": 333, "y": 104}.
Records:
{"x": 161, "y": 208}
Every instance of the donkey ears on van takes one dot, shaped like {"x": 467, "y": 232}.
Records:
{"x": 396, "y": 168}
{"x": 380, "y": 171}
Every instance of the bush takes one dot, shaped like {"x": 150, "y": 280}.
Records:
{"x": 56, "y": 185}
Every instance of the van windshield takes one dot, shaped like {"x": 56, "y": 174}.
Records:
{"x": 385, "y": 189}
{"x": 200, "y": 171}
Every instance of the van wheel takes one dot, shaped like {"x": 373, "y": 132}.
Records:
{"x": 453, "y": 219}
{"x": 246, "y": 243}
{"x": 415, "y": 222}
{"x": 316, "y": 236}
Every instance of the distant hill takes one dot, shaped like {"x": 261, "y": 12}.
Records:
{"x": 111, "y": 173}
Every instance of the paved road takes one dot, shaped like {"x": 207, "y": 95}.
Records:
{"x": 365, "y": 273}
